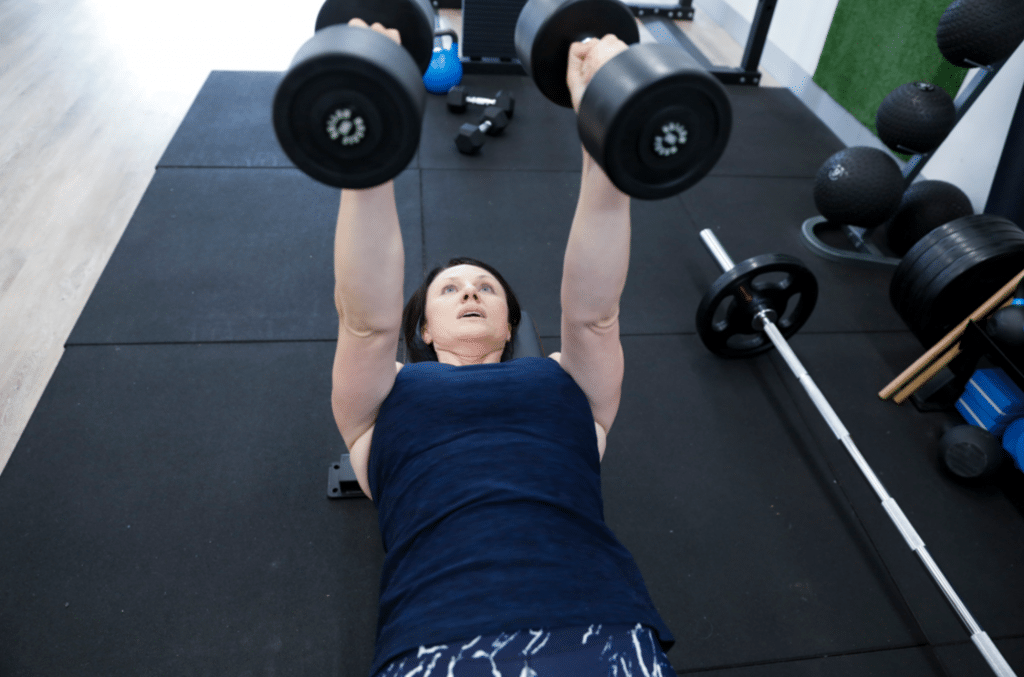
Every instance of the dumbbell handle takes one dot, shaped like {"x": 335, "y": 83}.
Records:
{"x": 481, "y": 101}
{"x": 980, "y": 638}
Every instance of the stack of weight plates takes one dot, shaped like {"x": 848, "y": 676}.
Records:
{"x": 954, "y": 269}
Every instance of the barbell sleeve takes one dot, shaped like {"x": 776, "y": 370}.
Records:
{"x": 914, "y": 541}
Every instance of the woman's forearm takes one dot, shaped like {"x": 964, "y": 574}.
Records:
{"x": 597, "y": 255}
{"x": 369, "y": 260}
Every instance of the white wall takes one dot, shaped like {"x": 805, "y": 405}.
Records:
{"x": 799, "y": 27}
{"x": 969, "y": 156}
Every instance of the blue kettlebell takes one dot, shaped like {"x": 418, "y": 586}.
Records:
{"x": 445, "y": 70}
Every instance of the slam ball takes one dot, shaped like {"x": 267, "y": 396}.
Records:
{"x": 915, "y": 118}
{"x": 925, "y": 206}
{"x": 980, "y": 32}
{"x": 858, "y": 186}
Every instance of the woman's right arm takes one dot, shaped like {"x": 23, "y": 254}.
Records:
{"x": 369, "y": 263}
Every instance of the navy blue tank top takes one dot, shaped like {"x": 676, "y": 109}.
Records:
{"x": 487, "y": 482}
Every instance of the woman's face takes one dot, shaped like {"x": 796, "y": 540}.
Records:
{"x": 467, "y": 314}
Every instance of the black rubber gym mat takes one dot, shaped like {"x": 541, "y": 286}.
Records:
{"x": 913, "y": 662}
{"x": 173, "y": 497}
{"x": 963, "y": 659}
{"x": 165, "y": 507}
{"x": 520, "y": 222}
{"x": 774, "y": 134}
{"x": 975, "y": 534}
{"x": 229, "y": 124}
{"x": 746, "y": 542}
{"x": 231, "y": 255}
{"x": 165, "y": 514}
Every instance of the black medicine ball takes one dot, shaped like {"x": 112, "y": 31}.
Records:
{"x": 858, "y": 186}
{"x": 925, "y": 206}
{"x": 915, "y": 118}
{"x": 980, "y": 32}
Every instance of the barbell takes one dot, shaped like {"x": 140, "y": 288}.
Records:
{"x": 763, "y": 313}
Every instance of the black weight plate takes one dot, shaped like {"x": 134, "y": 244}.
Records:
{"x": 413, "y": 19}
{"x": 968, "y": 281}
{"x": 923, "y": 245}
{"x": 725, "y": 314}
{"x": 656, "y": 124}
{"x": 546, "y": 29}
{"x": 920, "y": 305}
{"x": 921, "y": 248}
{"x": 962, "y": 295}
{"x": 978, "y": 256}
{"x": 349, "y": 111}
{"x": 958, "y": 228}
{"x": 943, "y": 255}
{"x": 960, "y": 236}
{"x": 904, "y": 279}
{"x": 980, "y": 240}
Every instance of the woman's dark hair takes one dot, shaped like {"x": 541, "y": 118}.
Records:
{"x": 414, "y": 314}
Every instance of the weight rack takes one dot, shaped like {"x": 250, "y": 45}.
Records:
{"x": 488, "y": 28}
{"x": 864, "y": 250}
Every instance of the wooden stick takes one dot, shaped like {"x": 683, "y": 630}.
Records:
{"x": 996, "y": 299}
{"x": 926, "y": 375}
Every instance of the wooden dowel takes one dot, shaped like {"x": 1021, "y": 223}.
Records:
{"x": 995, "y": 300}
{"x": 926, "y": 375}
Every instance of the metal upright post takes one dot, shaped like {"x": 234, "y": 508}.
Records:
{"x": 758, "y": 36}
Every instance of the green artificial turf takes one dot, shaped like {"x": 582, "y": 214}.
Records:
{"x": 874, "y": 46}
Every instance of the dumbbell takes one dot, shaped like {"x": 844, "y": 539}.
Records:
{"x": 458, "y": 99}
{"x": 349, "y": 110}
{"x": 652, "y": 117}
{"x": 471, "y": 137}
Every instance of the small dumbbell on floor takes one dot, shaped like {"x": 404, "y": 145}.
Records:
{"x": 459, "y": 99}
{"x": 471, "y": 137}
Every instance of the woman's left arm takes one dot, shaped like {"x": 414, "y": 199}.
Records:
{"x": 593, "y": 278}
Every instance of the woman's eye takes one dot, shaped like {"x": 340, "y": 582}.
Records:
{"x": 487, "y": 286}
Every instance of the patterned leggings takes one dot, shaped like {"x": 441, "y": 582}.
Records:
{"x": 594, "y": 651}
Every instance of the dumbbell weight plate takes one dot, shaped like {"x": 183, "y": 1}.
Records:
{"x": 349, "y": 111}
{"x": 724, "y": 317}
{"x": 414, "y": 20}
{"x": 546, "y": 29}
{"x": 654, "y": 125}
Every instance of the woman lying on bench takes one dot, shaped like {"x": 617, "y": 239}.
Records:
{"x": 485, "y": 470}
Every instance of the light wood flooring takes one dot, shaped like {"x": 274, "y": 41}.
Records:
{"x": 91, "y": 92}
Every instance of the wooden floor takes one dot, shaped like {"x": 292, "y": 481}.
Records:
{"x": 91, "y": 93}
